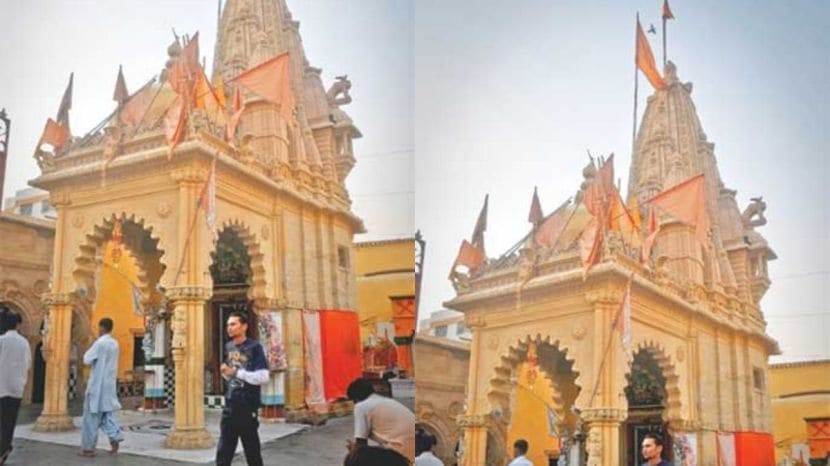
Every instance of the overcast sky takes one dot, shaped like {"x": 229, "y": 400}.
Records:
{"x": 496, "y": 97}
{"x": 511, "y": 94}
{"x": 370, "y": 40}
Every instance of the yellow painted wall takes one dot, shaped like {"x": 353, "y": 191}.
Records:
{"x": 384, "y": 269}
{"x": 798, "y": 390}
{"x": 529, "y": 417}
{"x": 114, "y": 300}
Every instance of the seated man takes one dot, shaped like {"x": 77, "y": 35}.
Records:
{"x": 383, "y": 420}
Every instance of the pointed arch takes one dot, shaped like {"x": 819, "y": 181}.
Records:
{"x": 255, "y": 254}
{"x": 668, "y": 371}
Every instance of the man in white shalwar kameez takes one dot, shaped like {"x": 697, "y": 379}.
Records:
{"x": 101, "y": 398}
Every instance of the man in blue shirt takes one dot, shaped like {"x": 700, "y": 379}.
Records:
{"x": 101, "y": 398}
{"x": 652, "y": 450}
{"x": 245, "y": 369}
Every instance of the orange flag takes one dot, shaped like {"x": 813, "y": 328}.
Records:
{"x": 120, "y": 94}
{"x": 271, "y": 80}
{"x": 190, "y": 55}
{"x": 54, "y": 134}
{"x": 481, "y": 226}
{"x": 653, "y": 228}
{"x": 535, "y": 216}
{"x": 551, "y": 228}
{"x": 233, "y": 122}
{"x": 174, "y": 124}
{"x": 687, "y": 202}
{"x": 590, "y": 245}
{"x": 599, "y": 193}
{"x": 469, "y": 256}
{"x": 66, "y": 104}
{"x": 667, "y": 14}
{"x": 137, "y": 104}
{"x": 645, "y": 60}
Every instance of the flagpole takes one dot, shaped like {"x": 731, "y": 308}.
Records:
{"x": 636, "y": 77}
{"x": 664, "y": 40}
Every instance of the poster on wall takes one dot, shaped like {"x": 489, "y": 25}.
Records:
{"x": 314, "y": 389}
{"x": 685, "y": 449}
{"x": 270, "y": 337}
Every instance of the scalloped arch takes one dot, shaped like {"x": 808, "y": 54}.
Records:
{"x": 501, "y": 386}
{"x": 673, "y": 393}
{"x": 249, "y": 239}
{"x": 137, "y": 231}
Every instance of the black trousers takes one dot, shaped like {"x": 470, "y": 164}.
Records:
{"x": 8, "y": 420}
{"x": 238, "y": 423}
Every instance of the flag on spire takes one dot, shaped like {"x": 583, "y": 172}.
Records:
{"x": 120, "y": 94}
{"x": 66, "y": 104}
{"x": 549, "y": 231}
{"x": 535, "y": 216}
{"x": 687, "y": 202}
{"x": 652, "y": 228}
{"x": 667, "y": 14}
{"x": 645, "y": 60}
{"x": 271, "y": 80}
{"x": 469, "y": 255}
{"x": 481, "y": 226}
{"x": 233, "y": 122}
{"x": 54, "y": 134}
{"x": 207, "y": 199}
{"x": 136, "y": 105}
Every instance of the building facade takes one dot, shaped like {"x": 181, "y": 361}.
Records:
{"x": 695, "y": 368}
{"x": 278, "y": 243}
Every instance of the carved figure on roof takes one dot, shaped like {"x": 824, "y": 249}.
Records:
{"x": 339, "y": 88}
{"x": 753, "y": 215}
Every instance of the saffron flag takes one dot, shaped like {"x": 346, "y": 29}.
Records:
{"x": 66, "y": 104}
{"x": 599, "y": 192}
{"x": 634, "y": 210}
{"x": 219, "y": 90}
{"x": 341, "y": 351}
{"x": 233, "y": 122}
{"x": 174, "y": 124}
{"x": 667, "y": 14}
{"x": 590, "y": 245}
{"x": 136, "y": 106}
{"x": 120, "y": 93}
{"x": 622, "y": 219}
{"x": 645, "y": 60}
{"x": 623, "y": 320}
{"x": 207, "y": 199}
{"x": 687, "y": 202}
{"x": 535, "y": 216}
{"x": 271, "y": 80}
{"x": 652, "y": 229}
{"x": 548, "y": 233}
{"x": 54, "y": 134}
{"x": 190, "y": 55}
{"x": 481, "y": 226}
{"x": 469, "y": 255}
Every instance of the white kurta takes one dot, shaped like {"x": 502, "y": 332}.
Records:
{"x": 101, "y": 389}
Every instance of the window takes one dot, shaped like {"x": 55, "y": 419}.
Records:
{"x": 758, "y": 378}
{"x": 461, "y": 329}
{"x": 45, "y": 206}
{"x": 26, "y": 209}
{"x": 343, "y": 257}
{"x": 441, "y": 331}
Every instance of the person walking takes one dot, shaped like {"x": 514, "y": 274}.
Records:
{"x": 520, "y": 448}
{"x": 15, "y": 360}
{"x": 246, "y": 369}
{"x": 652, "y": 450}
{"x": 381, "y": 419}
{"x": 101, "y": 399}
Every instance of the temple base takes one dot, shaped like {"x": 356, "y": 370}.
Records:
{"x": 53, "y": 423}
{"x": 195, "y": 439}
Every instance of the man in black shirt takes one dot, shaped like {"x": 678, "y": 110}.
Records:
{"x": 245, "y": 369}
{"x": 652, "y": 450}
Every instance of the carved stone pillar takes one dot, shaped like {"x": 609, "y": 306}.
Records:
{"x": 188, "y": 350}
{"x": 474, "y": 430}
{"x": 604, "y": 433}
{"x": 472, "y": 423}
{"x": 55, "y": 416}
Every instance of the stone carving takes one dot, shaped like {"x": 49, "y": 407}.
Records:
{"x": 593, "y": 446}
{"x": 78, "y": 220}
{"x": 471, "y": 420}
{"x": 578, "y": 332}
{"x": 178, "y": 325}
{"x": 753, "y": 215}
{"x": 339, "y": 88}
{"x": 45, "y": 160}
{"x": 164, "y": 209}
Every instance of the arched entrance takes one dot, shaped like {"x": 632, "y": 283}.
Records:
{"x": 533, "y": 396}
{"x": 649, "y": 401}
{"x": 232, "y": 291}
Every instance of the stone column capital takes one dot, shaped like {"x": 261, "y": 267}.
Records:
{"x": 188, "y": 293}
{"x": 605, "y": 296}
{"x": 59, "y": 199}
{"x": 475, "y": 320}
{"x": 189, "y": 175}
{"x": 56, "y": 299}
{"x": 471, "y": 420}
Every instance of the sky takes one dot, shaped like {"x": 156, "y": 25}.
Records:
{"x": 510, "y": 95}
{"x": 458, "y": 99}
{"x": 370, "y": 40}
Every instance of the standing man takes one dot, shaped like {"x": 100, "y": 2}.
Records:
{"x": 15, "y": 360}
{"x": 519, "y": 451}
{"x": 245, "y": 369}
{"x": 101, "y": 398}
{"x": 652, "y": 450}
{"x": 424, "y": 443}
{"x": 384, "y": 420}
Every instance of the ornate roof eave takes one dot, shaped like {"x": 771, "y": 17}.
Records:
{"x": 203, "y": 145}
{"x": 616, "y": 270}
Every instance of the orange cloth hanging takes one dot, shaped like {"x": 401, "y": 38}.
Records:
{"x": 342, "y": 355}
{"x": 754, "y": 449}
